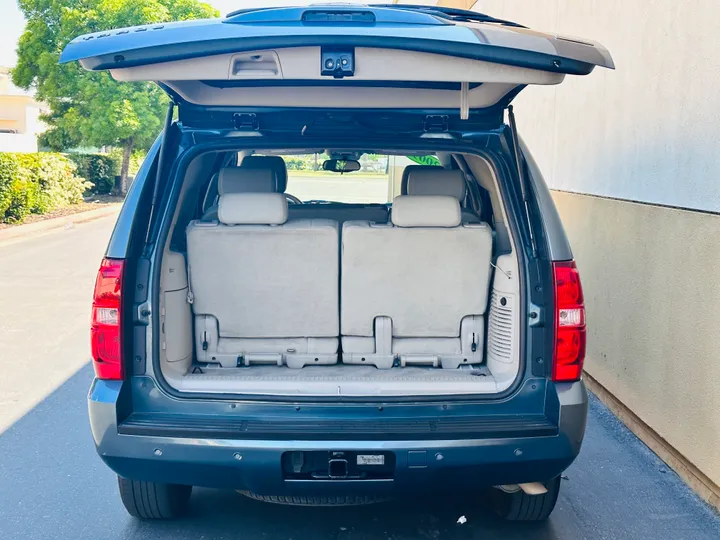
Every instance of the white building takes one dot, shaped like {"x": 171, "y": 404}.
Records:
{"x": 19, "y": 117}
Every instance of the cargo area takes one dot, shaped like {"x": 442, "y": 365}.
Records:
{"x": 401, "y": 281}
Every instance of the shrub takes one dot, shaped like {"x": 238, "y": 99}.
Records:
{"x": 8, "y": 173}
{"x": 24, "y": 199}
{"x": 294, "y": 163}
{"x": 39, "y": 183}
{"x": 98, "y": 169}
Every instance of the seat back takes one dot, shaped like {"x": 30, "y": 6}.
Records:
{"x": 260, "y": 280}
{"x": 240, "y": 180}
{"x": 426, "y": 274}
{"x": 434, "y": 180}
{"x": 276, "y": 164}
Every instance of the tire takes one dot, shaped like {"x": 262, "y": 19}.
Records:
{"x": 519, "y": 506}
{"x": 311, "y": 500}
{"x": 150, "y": 500}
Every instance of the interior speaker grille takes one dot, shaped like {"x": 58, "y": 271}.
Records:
{"x": 501, "y": 330}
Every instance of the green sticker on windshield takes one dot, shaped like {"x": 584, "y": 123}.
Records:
{"x": 425, "y": 160}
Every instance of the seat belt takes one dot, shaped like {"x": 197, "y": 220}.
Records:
{"x": 190, "y": 295}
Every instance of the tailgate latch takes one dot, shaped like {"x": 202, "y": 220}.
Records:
{"x": 436, "y": 123}
{"x": 337, "y": 63}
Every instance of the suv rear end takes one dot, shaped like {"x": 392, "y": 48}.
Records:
{"x": 195, "y": 387}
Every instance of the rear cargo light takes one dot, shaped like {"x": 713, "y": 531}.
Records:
{"x": 106, "y": 325}
{"x": 570, "y": 329}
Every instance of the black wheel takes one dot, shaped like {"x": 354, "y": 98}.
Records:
{"x": 149, "y": 500}
{"x": 519, "y": 506}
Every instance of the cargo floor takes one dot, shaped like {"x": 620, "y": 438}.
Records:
{"x": 340, "y": 379}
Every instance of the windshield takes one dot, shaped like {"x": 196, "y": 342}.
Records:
{"x": 308, "y": 182}
{"x": 377, "y": 181}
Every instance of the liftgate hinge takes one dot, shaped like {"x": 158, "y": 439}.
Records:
{"x": 436, "y": 123}
{"x": 246, "y": 122}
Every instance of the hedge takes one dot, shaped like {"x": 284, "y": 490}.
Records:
{"x": 37, "y": 183}
{"x": 99, "y": 169}
{"x": 8, "y": 173}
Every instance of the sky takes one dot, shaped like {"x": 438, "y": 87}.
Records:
{"x": 12, "y": 22}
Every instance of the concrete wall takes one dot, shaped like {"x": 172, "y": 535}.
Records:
{"x": 650, "y": 276}
{"x": 20, "y": 113}
{"x": 647, "y": 132}
{"x": 14, "y": 142}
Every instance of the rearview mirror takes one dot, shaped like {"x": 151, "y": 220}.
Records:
{"x": 341, "y": 165}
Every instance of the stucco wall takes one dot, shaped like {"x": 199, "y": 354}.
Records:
{"x": 14, "y": 142}
{"x": 20, "y": 113}
{"x": 648, "y": 132}
{"x": 13, "y": 112}
{"x": 650, "y": 276}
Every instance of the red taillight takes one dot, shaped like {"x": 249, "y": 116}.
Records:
{"x": 105, "y": 328}
{"x": 569, "y": 323}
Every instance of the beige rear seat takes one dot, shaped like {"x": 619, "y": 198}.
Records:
{"x": 263, "y": 290}
{"x": 415, "y": 290}
{"x": 239, "y": 180}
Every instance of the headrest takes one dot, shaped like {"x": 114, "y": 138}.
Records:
{"x": 253, "y": 209}
{"x": 274, "y": 163}
{"x": 239, "y": 180}
{"x": 435, "y": 181}
{"x": 425, "y": 211}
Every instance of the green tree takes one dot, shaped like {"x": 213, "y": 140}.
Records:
{"x": 90, "y": 108}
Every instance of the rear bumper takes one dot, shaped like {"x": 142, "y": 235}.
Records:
{"x": 255, "y": 465}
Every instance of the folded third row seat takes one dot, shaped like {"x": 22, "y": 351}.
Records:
{"x": 415, "y": 289}
{"x": 264, "y": 289}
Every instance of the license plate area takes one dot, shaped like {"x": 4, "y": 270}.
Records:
{"x": 338, "y": 465}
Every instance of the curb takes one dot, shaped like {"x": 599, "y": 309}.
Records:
{"x": 23, "y": 232}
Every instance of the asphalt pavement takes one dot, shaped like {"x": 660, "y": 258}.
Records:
{"x": 53, "y": 485}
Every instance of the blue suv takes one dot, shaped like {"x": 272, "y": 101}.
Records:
{"x": 339, "y": 275}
